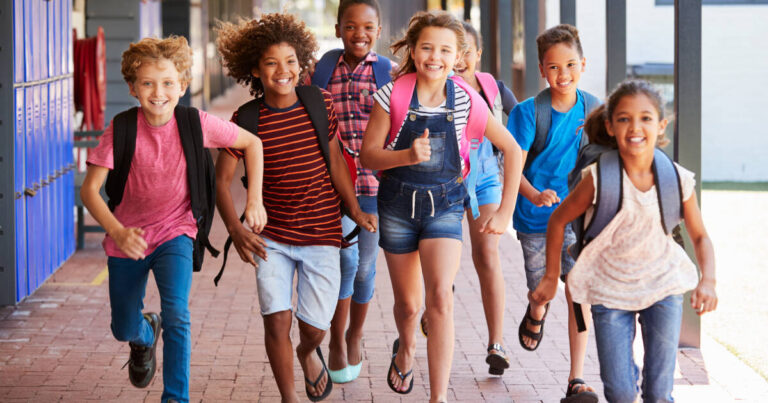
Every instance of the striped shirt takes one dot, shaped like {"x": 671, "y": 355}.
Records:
{"x": 460, "y": 113}
{"x": 301, "y": 203}
{"x": 352, "y": 93}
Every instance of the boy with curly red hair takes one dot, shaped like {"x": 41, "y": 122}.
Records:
{"x": 302, "y": 184}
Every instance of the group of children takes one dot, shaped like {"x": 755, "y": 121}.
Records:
{"x": 401, "y": 151}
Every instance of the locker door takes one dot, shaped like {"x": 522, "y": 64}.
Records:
{"x": 29, "y": 59}
{"x": 30, "y": 183}
{"x": 18, "y": 183}
{"x": 42, "y": 37}
{"x": 50, "y": 43}
{"x": 60, "y": 190}
{"x": 67, "y": 103}
{"x": 18, "y": 41}
{"x": 48, "y": 218}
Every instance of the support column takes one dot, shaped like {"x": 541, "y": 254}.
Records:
{"x": 506, "y": 39}
{"x": 531, "y": 31}
{"x": 568, "y": 12}
{"x": 616, "y": 43}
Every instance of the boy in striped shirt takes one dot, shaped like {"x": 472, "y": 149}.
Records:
{"x": 301, "y": 196}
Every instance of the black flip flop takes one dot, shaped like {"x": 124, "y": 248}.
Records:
{"x": 392, "y": 365}
{"x": 523, "y": 329}
{"x": 578, "y": 397}
{"x": 328, "y": 385}
{"x": 497, "y": 362}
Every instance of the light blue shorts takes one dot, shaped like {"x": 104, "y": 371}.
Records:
{"x": 488, "y": 188}
{"x": 317, "y": 288}
{"x": 535, "y": 256}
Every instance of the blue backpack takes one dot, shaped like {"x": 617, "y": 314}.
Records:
{"x": 325, "y": 66}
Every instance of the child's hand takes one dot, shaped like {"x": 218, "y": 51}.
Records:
{"x": 496, "y": 224}
{"x": 365, "y": 221}
{"x": 421, "y": 151}
{"x": 704, "y": 298}
{"x": 247, "y": 243}
{"x": 545, "y": 291}
{"x": 255, "y": 216}
{"x": 131, "y": 242}
{"x": 547, "y": 198}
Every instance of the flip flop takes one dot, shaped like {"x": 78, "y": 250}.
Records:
{"x": 328, "y": 385}
{"x": 523, "y": 329}
{"x": 402, "y": 376}
{"x": 572, "y": 396}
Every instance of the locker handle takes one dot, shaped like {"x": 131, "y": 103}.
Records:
{"x": 35, "y": 187}
{"x": 29, "y": 192}
{"x": 18, "y": 195}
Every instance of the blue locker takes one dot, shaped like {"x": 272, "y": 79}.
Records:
{"x": 18, "y": 41}
{"x": 29, "y": 59}
{"x": 67, "y": 104}
{"x": 54, "y": 209}
{"x": 48, "y": 218}
{"x": 54, "y": 25}
{"x": 69, "y": 44}
{"x": 50, "y": 43}
{"x": 18, "y": 187}
{"x": 38, "y": 206}
{"x": 59, "y": 166}
{"x": 42, "y": 34}
{"x": 30, "y": 179}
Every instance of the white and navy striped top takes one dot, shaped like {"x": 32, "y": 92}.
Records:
{"x": 460, "y": 114}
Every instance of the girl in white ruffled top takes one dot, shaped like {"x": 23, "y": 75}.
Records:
{"x": 633, "y": 267}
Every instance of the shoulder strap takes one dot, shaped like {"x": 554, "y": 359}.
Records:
{"x": 399, "y": 101}
{"x": 489, "y": 85}
{"x": 248, "y": 115}
{"x": 123, "y": 148}
{"x": 324, "y": 68}
{"x": 543, "y": 107}
{"x": 382, "y": 71}
{"x": 609, "y": 193}
{"x": 666, "y": 179}
{"x": 314, "y": 103}
{"x": 590, "y": 103}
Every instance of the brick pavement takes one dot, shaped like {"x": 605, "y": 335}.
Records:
{"x": 56, "y": 344}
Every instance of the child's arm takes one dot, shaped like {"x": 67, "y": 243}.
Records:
{"x": 129, "y": 240}
{"x": 573, "y": 206}
{"x": 513, "y": 167}
{"x": 246, "y": 242}
{"x": 372, "y": 152}
{"x": 546, "y": 197}
{"x": 703, "y": 298}
{"x": 342, "y": 182}
{"x": 255, "y": 215}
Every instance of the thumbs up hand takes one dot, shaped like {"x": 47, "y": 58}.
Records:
{"x": 421, "y": 151}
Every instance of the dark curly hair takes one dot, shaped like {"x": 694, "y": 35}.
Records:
{"x": 242, "y": 45}
{"x": 345, "y": 4}
{"x": 563, "y": 33}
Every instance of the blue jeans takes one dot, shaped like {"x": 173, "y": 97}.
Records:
{"x": 535, "y": 256}
{"x": 358, "y": 262}
{"x": 171, "y": 263}
{"x": 615, "y": 332}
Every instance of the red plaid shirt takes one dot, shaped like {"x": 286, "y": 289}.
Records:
{"x": 352, "y": 93}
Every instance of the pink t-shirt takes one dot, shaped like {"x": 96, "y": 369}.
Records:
{"x": 156, "y": 197}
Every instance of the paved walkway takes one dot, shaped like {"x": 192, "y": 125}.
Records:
{"x": 56, "y": 344}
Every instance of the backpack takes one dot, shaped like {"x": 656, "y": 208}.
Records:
{"x": 609, "y": 196}
{"x": 325, "y": 66}
{"x": 201, "y": 174}
{"x": 491, "y": 91}
{"x": 400, "y": 100}
{"x": 543, "y": 106}
{"x": 314, "y": 103}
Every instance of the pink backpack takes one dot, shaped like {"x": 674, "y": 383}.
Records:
{"x": 402, "y": 91}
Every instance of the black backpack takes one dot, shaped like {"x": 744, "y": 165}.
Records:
{"x": 609, "y": 195}
{"x": 248, "y": 118}
{"x": 201, "y": 174}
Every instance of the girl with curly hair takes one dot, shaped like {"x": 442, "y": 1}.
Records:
{"x": 301, "y": 192}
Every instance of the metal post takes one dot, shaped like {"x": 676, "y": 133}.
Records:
{"x": 616, "y": 43}
{"x": 687, "y": 139}
{"x": 504, "y": 11}
{"x": 568, "y": 12}
{"x": 486, "y": 31}
{"x": 531, "y": 28}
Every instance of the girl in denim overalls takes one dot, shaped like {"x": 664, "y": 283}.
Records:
{"x": 422, "y": 189}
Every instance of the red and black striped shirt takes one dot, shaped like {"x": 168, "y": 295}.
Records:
{"x": 301, "y": 203}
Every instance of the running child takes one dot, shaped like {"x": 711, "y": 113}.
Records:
{"x": 352, "y": 75}
{"x": 549, "y": 156}
{"x": 153, "y": 219}
{"x": 633, "y": 267}
{"x": 304, "y": 175}
{"x": 420, "y": 132}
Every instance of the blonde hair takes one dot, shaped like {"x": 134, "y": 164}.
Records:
{"x": 151, "y": 50}
{"x": 419, "y": 21}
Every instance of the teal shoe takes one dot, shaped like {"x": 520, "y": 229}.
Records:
{"x": 353, "y": 371}
{"x": 340, "y": 375}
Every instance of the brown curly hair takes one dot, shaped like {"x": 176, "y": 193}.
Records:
{"x": 563, "y": 33}
{"x": 174, "y": 48}
{"x": 419, "y": 21}
{"x": 242, "y": 45}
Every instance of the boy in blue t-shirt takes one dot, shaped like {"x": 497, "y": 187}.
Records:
{"x": 545, "y": 184}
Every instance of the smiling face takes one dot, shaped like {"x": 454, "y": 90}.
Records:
{"x": 467, "y": 65}
{"x": 562, "y": 67}
{"x": 435, "y": 53}
{"x": 636, "y": 126}
{"x": 359, "y": 29}
{"x": 158, "y": 88}
{"x": 279, "y": 73}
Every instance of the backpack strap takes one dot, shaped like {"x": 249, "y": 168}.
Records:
{"x": 665, "y": 176}
{"x": 324, "y": 68}
{"x": 382, "y": 71}
{"x": 590, "y": 103}
{"x": 489, "y": 86}
{"x": 314, "y": 103}
{"x": 543, "y": 115}
{"x": 123, "y": 148}
{"x": 399, "y": 101}
{"x": 609, "y": 193}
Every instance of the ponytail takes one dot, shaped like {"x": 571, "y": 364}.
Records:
{"x": 594, "y": 127}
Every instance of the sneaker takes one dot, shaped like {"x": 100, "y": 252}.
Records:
{"x": 142, "y": 363}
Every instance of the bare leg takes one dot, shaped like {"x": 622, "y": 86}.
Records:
{"x": 578, "y": 341}
{"x": 354, "y": 337}
{"x": 309, "y": 338}
{"x": 337, "y": 355}
{"x": 405, "y": 274}
{"x": 277, "y": 341}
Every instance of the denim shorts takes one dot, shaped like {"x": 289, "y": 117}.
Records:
{"x": 317, "y": 287}
{"x": 488, "y": 188}
{"x": 409, "y": 213}
{"x": 535, "y": 255}
{"x": 358, "y": 262}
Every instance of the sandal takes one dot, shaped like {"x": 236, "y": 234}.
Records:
{"x": 571, "y": 396}
{"x": 497, "y": 361}
{"x": 402, "y": 376}
{"x": 523, "y": 329}
{"x": 423, "y": 321}
{"x": 328, "y": 384}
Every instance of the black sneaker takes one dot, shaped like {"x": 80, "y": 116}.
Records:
{"x": 142, "y": 362}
